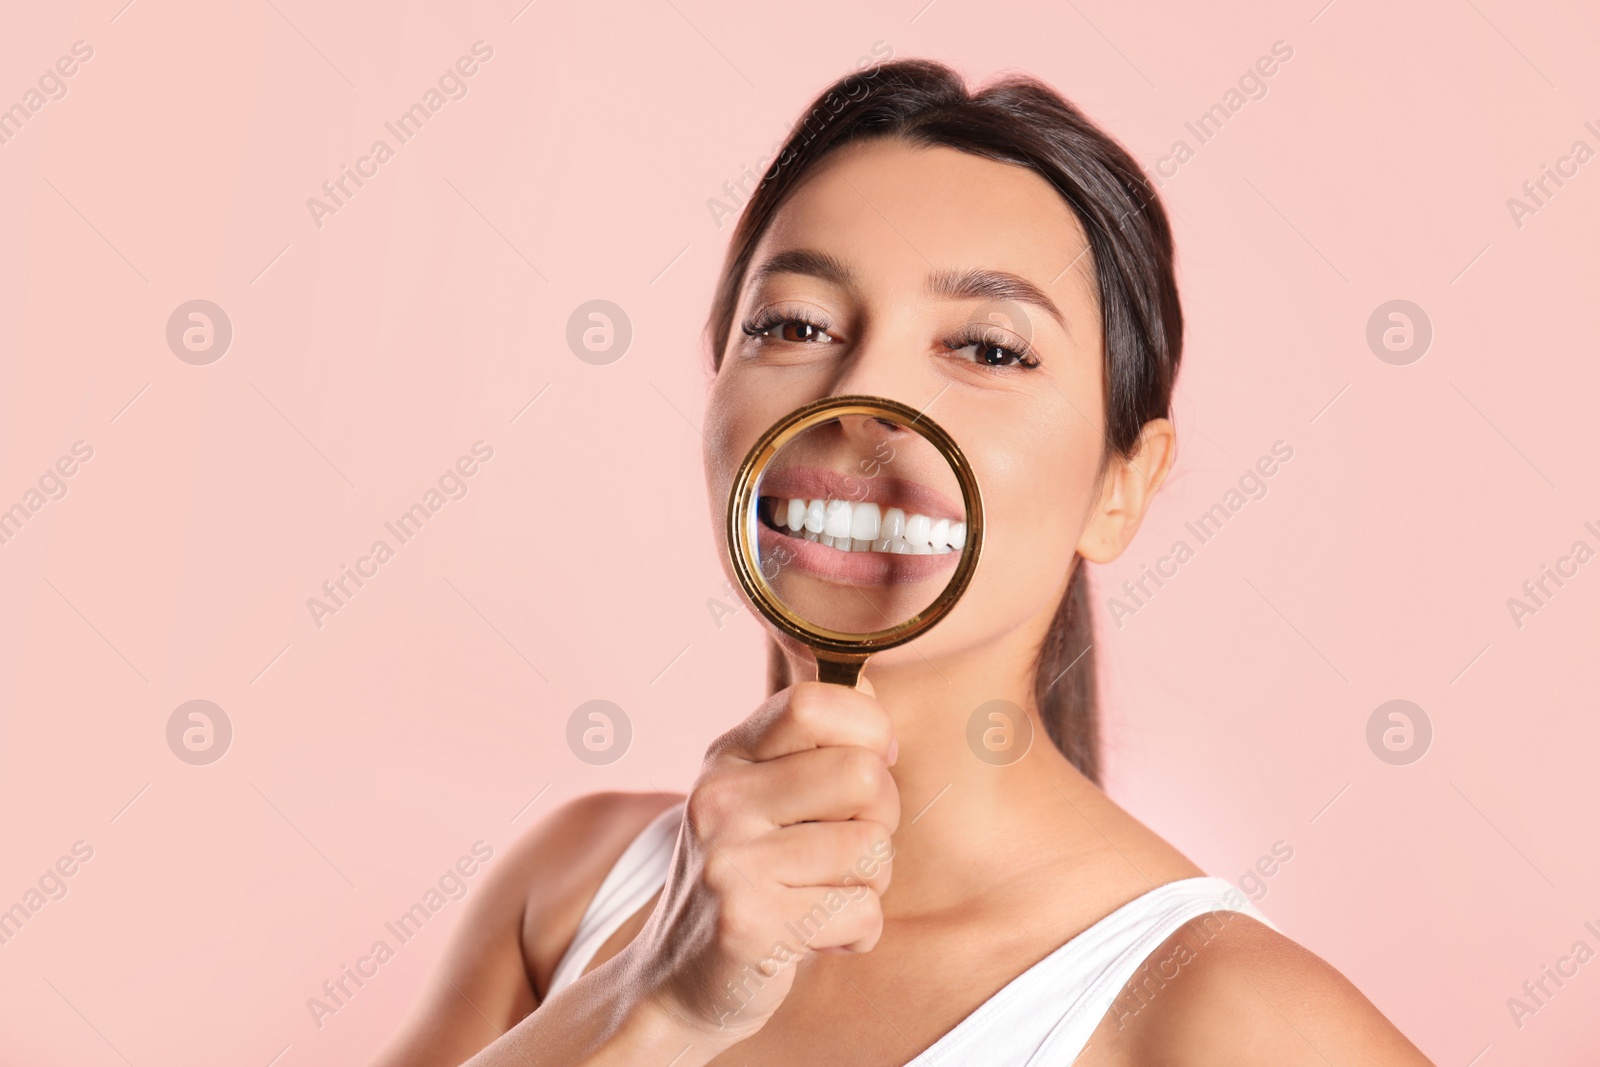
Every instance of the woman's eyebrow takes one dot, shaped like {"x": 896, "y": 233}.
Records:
{"x": 807, "y": 261}
{"x": 970, "y": 284}
{"x": 992, "y": 285}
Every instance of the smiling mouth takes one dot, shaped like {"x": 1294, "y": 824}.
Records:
{"x": 862, "y": 526}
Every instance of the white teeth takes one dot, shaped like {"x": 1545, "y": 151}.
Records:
{"x": 917, "y": 529}
{"x": 894, "y": 523}
{"x": 867, "y": 527}
{"x": 864, "y": 522}
{"x": 838, "y": 519}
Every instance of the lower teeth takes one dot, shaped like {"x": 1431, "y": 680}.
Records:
{"x": 892, "y": 545}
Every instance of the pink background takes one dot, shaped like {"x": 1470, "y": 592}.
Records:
{"x": 368, "y": 354}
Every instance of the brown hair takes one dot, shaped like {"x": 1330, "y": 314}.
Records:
{"x": 1018, "y": 120}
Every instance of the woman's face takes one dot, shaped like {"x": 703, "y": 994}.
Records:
{"x": 964, "y": 288}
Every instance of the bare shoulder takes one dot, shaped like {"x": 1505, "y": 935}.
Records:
{"x": 515, "y": 926}
{"x": 1228, "y": 990}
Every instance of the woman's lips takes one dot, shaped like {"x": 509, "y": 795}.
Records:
{"x": 780, "y": 551}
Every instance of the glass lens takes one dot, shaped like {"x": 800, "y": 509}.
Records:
{"x": 858, "y": 524}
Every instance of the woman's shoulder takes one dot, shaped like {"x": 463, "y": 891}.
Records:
{"x": 1224, "y": 988}
{"x": 1240, "y": 993}
{"x": 561, "y": 861}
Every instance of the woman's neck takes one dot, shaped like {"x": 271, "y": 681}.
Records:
{"x": 973, "y": 811}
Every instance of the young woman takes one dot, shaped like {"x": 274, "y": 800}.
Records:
{"x": 846, "y": 881}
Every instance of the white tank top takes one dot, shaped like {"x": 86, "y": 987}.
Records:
{"x": 1041, "y": 1018}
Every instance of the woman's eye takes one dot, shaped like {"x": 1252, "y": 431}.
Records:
{"x": 802, "y": 331}
{"x": 996, "y": 355}
{"x": 990, "y": 354}
{"x": 796, "y": 331}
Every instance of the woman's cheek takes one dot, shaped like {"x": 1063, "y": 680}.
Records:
{"x": 1034, "y": 517}
{"x": 720, "y": 461}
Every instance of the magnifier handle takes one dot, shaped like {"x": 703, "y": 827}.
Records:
{"x": 840, "y": 669}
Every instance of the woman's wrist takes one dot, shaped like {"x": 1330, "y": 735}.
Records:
{"x": 648, "y": 1024}
{"x": 654, "y": 1026}
{"x": 607, "y": 1019}
{"x": 585, "y": 1026}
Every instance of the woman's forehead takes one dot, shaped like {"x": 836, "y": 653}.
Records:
{"x": 887, "y": 209}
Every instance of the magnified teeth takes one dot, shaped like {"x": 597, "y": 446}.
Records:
{"x": 865, "y": 526}
{"x": 864, "y": 522}
{"x": 918, "y": 529}
{"x": 894, "y": 523}
{"x": 837, "y": 523}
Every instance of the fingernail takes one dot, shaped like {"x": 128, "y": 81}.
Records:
{"x": 894, "y": 750}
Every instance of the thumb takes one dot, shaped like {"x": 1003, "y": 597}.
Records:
{"x": 864, "y": 685}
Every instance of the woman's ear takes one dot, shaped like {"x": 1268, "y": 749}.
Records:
{"x": 1128, "y": 487}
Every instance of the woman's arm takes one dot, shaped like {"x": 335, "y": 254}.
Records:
{"x": 514, "y": 928}
{"x": 793, "y": 807}
{"x": 605, "y": 1019}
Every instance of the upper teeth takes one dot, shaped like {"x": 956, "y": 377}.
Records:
{"x": 864, "y": 527}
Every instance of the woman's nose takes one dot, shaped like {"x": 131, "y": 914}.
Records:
{"x": 869, "y": 429}
{"x": 885, "y": 360}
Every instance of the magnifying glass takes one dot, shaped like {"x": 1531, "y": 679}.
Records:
{"x": 854, "y": 525}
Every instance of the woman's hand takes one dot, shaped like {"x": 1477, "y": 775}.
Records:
{"x": 785, "y": 851}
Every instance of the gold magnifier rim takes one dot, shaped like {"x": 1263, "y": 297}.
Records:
{"x": 742, "y": 520}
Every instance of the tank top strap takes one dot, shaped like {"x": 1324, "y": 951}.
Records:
{"x": 1045, "y": 1016}
{"x": 639, "y": 872}
{"x": 1123, "y": 944}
